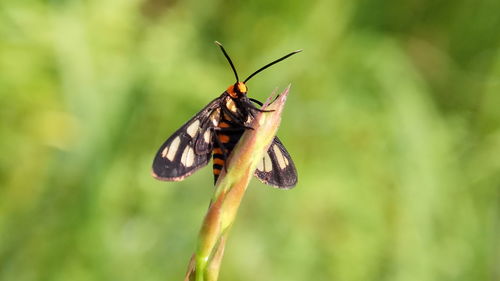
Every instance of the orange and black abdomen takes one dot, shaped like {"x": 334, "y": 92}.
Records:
{"x": 228, "y": 135}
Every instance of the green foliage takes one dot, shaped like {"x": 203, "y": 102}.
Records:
{"x": 392, "y": 120}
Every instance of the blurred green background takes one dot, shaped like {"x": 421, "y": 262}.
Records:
{"x": 393, "y": 122}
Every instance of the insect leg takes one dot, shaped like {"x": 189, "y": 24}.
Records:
{"x": 235, "y": 119}
{"x": 256, "y": 101}
{"x": 260, "y": 110}
{"x": 255, "y": 108}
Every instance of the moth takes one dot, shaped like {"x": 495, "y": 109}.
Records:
{"x": 214, "y": 131}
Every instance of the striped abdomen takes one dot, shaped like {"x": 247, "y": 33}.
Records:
{"x": 227, "y": 136}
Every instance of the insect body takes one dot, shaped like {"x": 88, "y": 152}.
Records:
{"x": 215, "y": 130}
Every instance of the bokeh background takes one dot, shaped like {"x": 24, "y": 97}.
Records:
{"x": 393, "y": 122}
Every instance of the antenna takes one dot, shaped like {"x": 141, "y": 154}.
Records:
{"x": 229, "y": 60}
{"x": 269, "y": 64}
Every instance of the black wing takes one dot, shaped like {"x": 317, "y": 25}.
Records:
{"x": 277, "y": 168}
{"x": 190, "y": 147}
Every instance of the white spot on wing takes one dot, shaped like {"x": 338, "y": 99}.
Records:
{"x": 260, "y": 165}
{"x": 268, "y": 165}
{"x": 187, "y": 158}
{"x": 193, "y": 128}
{"x": 164, "y": 152}
{"x": 282, "y": 162}
{"x": 206, "y": 136}
{"x": 172, "y": 148}
{"x": 214, "y": 117}
{"x": 230, "y": 105}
